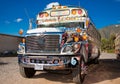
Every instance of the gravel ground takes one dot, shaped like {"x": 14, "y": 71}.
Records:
{"x": 106, "y": 72}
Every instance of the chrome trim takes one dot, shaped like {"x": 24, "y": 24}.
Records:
{"x": 36, "y": 34}
{"x": 49, "y": 54}
{"x": 55, "y": 38}
{"x": 45, "y": 66}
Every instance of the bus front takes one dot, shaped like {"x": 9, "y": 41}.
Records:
{"x": 58, "y": 42}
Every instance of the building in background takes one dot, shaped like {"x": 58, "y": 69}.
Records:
{"x": 9, "y": 43}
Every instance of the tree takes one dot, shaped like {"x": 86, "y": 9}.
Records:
{"x": 104, "y": 44}
{"x": 111, "y": 41}
{"x": 108, "y": 44}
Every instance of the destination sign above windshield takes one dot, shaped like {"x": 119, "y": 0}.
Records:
{"x": 60, "y": 13}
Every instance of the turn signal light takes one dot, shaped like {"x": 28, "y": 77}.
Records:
{"x": 41, "y": 15}
{"x": 59, "y": 7}
{"x": 84, "y": 37}
{"x": 64, "y": 6}
{"x": 79, "y": 11}
{"x": 20, "y": 31}
{"x": 78, "y": 30}
{"x": 87, "y": 23}
{"x": 45, "y": 14}
{"x": 76, "y": 39}
{"x": 74, "y": 12}
{"x": 23, "y": 40}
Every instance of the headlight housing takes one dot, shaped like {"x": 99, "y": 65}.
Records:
{"x": 67, "y": 49}
{"x": 21, "y": 48}
{"x": 76, "y": 46}
{"x": 71, "y": 48}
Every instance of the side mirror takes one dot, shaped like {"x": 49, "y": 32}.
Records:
{"x": 21, "y": 31}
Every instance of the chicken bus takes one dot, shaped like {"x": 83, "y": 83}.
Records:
{"x": 64, "y": 39}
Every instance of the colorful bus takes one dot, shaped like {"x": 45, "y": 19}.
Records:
{"x": 65, "y": 39}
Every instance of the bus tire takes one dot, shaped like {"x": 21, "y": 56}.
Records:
{"x": 26, "y": 72}
{"x": 78, "y": 76}
{"x": 96, "y": 60}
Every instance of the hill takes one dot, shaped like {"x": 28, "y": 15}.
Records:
{"x": 107, "y": 31}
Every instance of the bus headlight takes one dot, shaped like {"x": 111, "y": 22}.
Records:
{"x": 67, "y": 49}
{"x": 76, "y": 46}
{"x": 21, "y": 48}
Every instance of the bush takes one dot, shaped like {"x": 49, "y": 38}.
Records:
{"x": 111, "y": 51}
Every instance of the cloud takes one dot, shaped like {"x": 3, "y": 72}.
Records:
{"x": 18, "y": 20}
{"x": 51, "y": 4}
{"x": 7, "y": 22}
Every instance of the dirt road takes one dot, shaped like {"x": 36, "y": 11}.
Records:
{"x": 106, "y": 72}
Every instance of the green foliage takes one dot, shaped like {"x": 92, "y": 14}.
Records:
{"x": 111, "y": 51}
{"x": 108, "y": 45}
{"x": 108, "y": 36}
{"x": 104, "y": 44}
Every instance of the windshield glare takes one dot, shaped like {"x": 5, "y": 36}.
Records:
{"x": 66, "y": 25}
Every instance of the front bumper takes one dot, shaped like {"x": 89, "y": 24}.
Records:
{"x": 45, "y": 66}
{"x": 40, "y": 61}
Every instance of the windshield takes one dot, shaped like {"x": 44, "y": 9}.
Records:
{"x": 66, "y": 25}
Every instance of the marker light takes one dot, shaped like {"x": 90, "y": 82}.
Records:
{"x": 76, "y": 38}
{"x": 23, "y": 40}
{"x": 59, "y": 7}
{"x": 79, "y": 11}
{"x": 85, "y": 37}
{"x": 73, "y": 11}
{"x": 64, "y": 6}
{"x": 78, "y": 30}
{"x": 87, "y": 23}
{"x": 53, "y": 7}
{"x": 41, "y": 15}
{"x": 46, "y": 14}
{"x": 20, "y": 31}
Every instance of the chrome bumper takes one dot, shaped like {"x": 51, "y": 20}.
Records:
{"x": 59, "y": 66}
{"x": 46, "y": 66}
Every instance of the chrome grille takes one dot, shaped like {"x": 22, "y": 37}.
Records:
{"x": 46, "y": 43}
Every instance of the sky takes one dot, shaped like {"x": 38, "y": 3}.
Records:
{"x": 15, "y": 14}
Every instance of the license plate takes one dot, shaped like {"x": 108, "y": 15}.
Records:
{"x": 38, "y": 66}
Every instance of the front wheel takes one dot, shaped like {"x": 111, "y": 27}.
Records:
{"x": 79, "y": 72}
{"x": 26, "y": 72}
